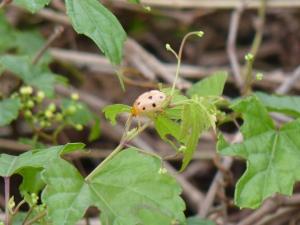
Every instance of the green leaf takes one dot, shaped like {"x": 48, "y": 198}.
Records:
{"x": 196, "y": 117}
{"x": 29, "y": 43}
{"x": 32, "y": 181}
{"x": 128, "y": 189}
{"x": 198, "y": 221}
{"x": 210, "y": 86}
{"x": 272, "y": 156}
{"x": 67, "y": 195}
{"x": 95, "y": 130}
{"x": 134, "y": 1}
{"x": 165, "y": 127}
{"x": 33, "y": 75}
{"x": 7, "y": 41}
{"x": 10, "y": 165}
{"x": 112, "y": 111}
{"x": 91, "y": 18}
{"x": 82, "y": 115}
{"x": 9, "y": 110}
{"x": 252, "y": 109}
{"x": 32, "y": 5}
{"x": 289, "y": 105}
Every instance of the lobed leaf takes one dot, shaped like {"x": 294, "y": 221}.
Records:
{"x": 112, "y": 111}
{"x": 272, "y": 156}
{"x": 92, "y": 19}
{"x": 128, "y": 189}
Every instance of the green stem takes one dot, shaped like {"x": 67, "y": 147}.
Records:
{"x": 36, "y": 218}
{"x": 248, "y": 74}
{"x": 125, "y": 138}
{"x": 179, "y": 57}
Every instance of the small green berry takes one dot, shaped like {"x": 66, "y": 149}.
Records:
{"x": 27, "y": 90}
{"x": 43, "y": 123}
{"x": 78, "y": 127}
{"x": 34, "y": 198}
{"x": 30, "y": 104}
{"x": 28, "y": 114}
{"x": 75, "y": 96}
{"x": 40, "y": 96}
{"x": 52, "y": 107}
{"x": 48, "y": 114}
{"x": 58, "y": 117}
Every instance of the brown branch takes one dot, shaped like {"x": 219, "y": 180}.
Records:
{"x": 231, "y": 43}
{"x": 289, "y": 82}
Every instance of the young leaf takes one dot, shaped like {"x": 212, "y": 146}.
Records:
{"x": 198, "y": 221}
{"x": 196, "y": 117}
{"x": 272, "y": 156}
{"x": 32, "y": 5}
{"x": 210, "y": 86}
{"x": 9, "y": 110}
{"x": 91, "y": 18}
{"x": 165, "y": 126}
{"x": 289, "y": 105}
{"x": 128, "y": 189}
{"x": 112, "y": 111}
{"x": 36, "y": 76}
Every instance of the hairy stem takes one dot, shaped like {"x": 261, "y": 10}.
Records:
{"x": 6, "y": 197}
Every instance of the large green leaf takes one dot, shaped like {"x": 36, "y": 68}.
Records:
{"x": 91, "y": 18}
{"x": 165, "y": 126}
{"x": 128, "y": 189}
{"x": 210, "y": 86}
{"x": 34, "y": 75}
{"x": 32, "y": 5}
{"x": 272, "y": 156}
{"x": 67, "y": 195}
{"x": 289, "y": 105}
{"x": 10, "y": 165}
{"x": 9, "y": 110}
{"x": 112, "y": 111}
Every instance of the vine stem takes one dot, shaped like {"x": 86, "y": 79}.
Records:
{"x": 6, "y": 196}
{"x": 179, "y": 57}
{"x": 125, "y": 138}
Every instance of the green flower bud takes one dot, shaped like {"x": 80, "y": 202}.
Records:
{"x": 27, "y": 90}
{"x": 259, "y": 76}
{"x": 200, "y": 33}
{"x": 30, "y": 104}
{"x": 58, "y": 117}
{"x": 34, "y": 198}
{"x": 11, "y": 203}
{"x": 249, "y": 57}
{"x": 28, "y": 114}
{"x": 40, "y": 96}
{"x": 43, "y": 123}
{"x": 48, "y": 114}
{"x": 78, "y": 127}
{"x": 75, "y": 96}
{"x": 52, "y": 107}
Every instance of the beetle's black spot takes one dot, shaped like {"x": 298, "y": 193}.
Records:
{"x": 150, "y": 97}
{"x": 160, "y": 97}
{"x": 138, "y": 103}
{"x": 144, "y": 108}
{"x": 154, "y": 105}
